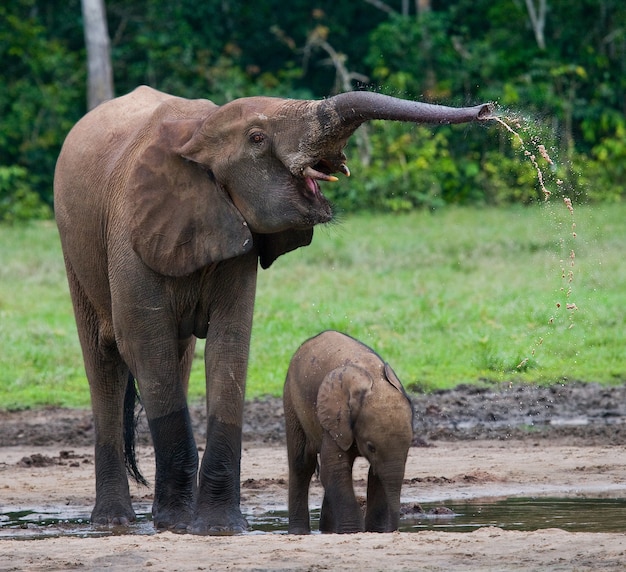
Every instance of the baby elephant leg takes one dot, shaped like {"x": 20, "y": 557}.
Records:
{"x": 341, "y": 512}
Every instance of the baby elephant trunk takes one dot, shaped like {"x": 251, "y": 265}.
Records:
{"x": 383, "y": 498}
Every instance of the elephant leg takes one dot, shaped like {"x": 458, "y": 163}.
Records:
{"x": 172, "y": 435}
{"x": 226, "y": 360}
{"x": 108, "y": 376}
{"x": 176, "y": 470}
{"x": 327, "y": 516}
{"x": 302, "y": 462}
{"x": 340, "y": 510}
{"x": 107, "y": 386}
{"x": 301, "y": 470}
{"x": 377, "y": 515}
{"x": 186, "y": 351}
{"x": 148, "y": 338}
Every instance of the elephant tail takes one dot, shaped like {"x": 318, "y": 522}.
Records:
{"x": 131, "y": 398}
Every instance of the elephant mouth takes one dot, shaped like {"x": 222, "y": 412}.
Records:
{"x": 322, "y": 171}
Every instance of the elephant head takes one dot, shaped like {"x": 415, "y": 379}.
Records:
{"x": 251, "y": 168}
{"x": 375, "y": 414}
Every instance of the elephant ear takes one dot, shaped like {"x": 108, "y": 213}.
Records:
{"x": 339, "y": 402}
{"x": 271, "y": 246}
{"x": 181, "y": 219}
{"x": 392, "y": 378}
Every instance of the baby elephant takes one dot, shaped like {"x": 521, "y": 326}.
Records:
{"x": 343, "y": 401}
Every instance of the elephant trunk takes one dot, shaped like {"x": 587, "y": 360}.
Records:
{"x": 393, "y": 510}
{"x": 383, "y": 497}
{"x": 355, "y": 107}
{"x": 331, "y": 122}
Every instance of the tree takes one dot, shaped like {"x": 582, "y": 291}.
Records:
{"x": 99, "y": 71}
{"x": 42, "y": 95}
{"x": 538, "y": 20}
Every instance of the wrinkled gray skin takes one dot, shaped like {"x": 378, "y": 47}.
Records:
{"x": 165, "y": 206}
{"x": 343, "y": 401}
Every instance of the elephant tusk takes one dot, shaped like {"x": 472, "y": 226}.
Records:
{"x": 313, "y": 174}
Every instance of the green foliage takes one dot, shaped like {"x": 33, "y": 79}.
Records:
{"x": 570, "y": 96}
{"x": 436, "y": 70}
{"x": 18, "y": 202}
{"x": 177, "y": 46}
{"x": 605, "y": 173}
{"x": 418, "y": 167}
{"x": 409, "y": 168}
{"x": 39, "y": 98}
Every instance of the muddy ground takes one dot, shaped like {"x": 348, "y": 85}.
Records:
{"x": 471, "y": 443}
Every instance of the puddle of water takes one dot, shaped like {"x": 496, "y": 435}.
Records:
{"x": 30, "y": 524}
{"x": 524, "y": 514}
{"x": 527, "y": 514}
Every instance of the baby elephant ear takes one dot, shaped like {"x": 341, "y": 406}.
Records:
{"x": 339, "y": 401}
{"x": 180, "y": 218}
{"x": 392, "y": 378}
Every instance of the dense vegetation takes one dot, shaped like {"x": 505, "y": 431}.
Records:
{"x": 564, "y": 79}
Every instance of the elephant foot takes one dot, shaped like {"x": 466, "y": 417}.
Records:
{"x": 227, "y": 523}
{"x": 113, "y": 515}
{"x": 343, "y": 531}
{"x": 173, "y": 520}
{"x": 178, "y": 528}
{"x": 341, "y": 528}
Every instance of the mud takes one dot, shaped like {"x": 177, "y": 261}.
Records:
{"x": 584, "y": 413}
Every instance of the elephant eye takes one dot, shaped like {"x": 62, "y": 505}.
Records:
{"x": 371, "y": 448}
{"x": 257, "y": 137}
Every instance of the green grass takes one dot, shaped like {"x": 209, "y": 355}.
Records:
{"x": 458, "y": 296}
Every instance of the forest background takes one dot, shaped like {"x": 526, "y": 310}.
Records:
{"x": 556, "y": 68}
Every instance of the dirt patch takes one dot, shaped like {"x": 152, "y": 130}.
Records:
{"x": 585, "y": 413}
{"x": 471, "y": 443}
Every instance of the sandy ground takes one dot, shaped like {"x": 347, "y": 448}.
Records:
{"x": 47, "y": 477}
{"x": 494, "y": 442}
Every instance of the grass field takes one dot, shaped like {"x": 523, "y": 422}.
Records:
{"x": 456, "y": 296}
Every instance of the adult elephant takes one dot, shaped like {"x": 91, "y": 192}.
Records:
{"x": 165, "y": 206}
